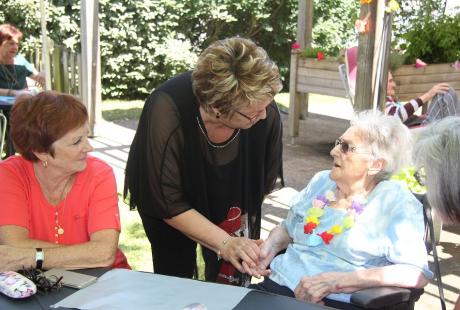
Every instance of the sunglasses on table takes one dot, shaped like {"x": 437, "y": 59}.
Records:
{"x": 43, "y": 283}
{"x": 346, "y": 147}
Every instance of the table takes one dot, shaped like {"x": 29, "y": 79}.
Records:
{"x": 252, "y": 300}
{"x": 6, "y": 102}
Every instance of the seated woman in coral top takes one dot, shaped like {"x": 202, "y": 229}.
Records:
{"x": 58, "y": 206}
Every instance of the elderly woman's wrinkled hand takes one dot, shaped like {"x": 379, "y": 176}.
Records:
{"x": 239, "y": 250}
{"x": 314, "y": 289}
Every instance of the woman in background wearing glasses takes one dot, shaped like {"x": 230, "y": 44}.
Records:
{"x": 206, "y": 152}
{"x": 438, "y": 150}
{"x": 351, "y": 228}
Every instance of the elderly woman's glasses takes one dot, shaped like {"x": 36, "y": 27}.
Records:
{"x": 420, "y": 176}
{"x": 346, "y": 147}
{"x": 43, "y": 283}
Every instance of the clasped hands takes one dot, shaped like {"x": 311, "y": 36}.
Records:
{"x": 254, "y": 256}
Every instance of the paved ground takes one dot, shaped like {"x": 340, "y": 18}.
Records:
{"x": 309, "y": 155}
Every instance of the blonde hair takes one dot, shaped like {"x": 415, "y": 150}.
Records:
{"x": 234, "y": 72}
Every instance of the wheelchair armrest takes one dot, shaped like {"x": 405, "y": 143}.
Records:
{"x": 379, "y": 297}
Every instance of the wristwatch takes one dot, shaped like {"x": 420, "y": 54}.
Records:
{"x": 39, "y": 257}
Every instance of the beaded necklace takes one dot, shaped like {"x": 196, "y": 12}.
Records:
{"x": 317, "y": 210}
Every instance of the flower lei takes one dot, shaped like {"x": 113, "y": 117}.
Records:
{"x": 317, "y": 210}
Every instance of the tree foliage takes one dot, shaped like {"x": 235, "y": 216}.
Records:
{"x": 144, "y": 42}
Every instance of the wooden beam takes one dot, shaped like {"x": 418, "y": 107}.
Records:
{"x": 364, "y": 76}
{"x": 304, "y": 38}
{"x": 45, "y": 47}
{"x": 305, "y": 23}
{"x": 294, "y": 100}
{"x": 90, "y": 61}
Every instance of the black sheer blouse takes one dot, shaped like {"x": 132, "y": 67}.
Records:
{"x": 172, "y": 167}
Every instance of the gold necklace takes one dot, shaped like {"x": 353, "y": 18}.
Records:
{"x": 59, "y": 230}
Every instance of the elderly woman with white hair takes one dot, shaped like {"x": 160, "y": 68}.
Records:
{"x": 351, "y": 228}
{"x": 437, "y": 151}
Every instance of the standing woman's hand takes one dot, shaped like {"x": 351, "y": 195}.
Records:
{"x": 239, "y": 250}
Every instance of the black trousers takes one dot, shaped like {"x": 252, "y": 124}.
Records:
{"x": 174, "y": 254}
{"x": 272, "y": 287}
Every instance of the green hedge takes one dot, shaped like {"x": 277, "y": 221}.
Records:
{"x": 144, "y": 42}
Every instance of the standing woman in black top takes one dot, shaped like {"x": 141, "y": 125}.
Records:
{"x": 207, "y": 150}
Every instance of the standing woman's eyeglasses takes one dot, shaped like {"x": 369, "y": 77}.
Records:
{"x": 346, "y": 147}
{"x": 251, "y": 119}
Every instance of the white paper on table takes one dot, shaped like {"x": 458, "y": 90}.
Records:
{"x": 127, "y": 289}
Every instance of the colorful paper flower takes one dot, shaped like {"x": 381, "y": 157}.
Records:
{"x": 330, "y": 195}
{"x": 315, "y": 212}
{"x": 308, "y": 228}
{"x": 335, "y": 230}
{"x": 357, "y": 207}
{"x": 317, "y": 203}
{"x": 327, "y": 237}
{"x": 295, "y": 46}
{"x": 348, "y": 222}
{"x": 312, "y": 219}
{"x": 365, "y": 1}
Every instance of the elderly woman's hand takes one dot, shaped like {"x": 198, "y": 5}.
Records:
{"x": 239, "y": 250}
{"x": 314, "y": 289}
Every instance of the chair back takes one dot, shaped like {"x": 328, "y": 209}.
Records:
{"x": 351, "y": 62}
{"x": 344, "y": 78}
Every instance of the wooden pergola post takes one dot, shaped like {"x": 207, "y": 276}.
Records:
{"x": 90, "y": 68}
{"x": 304, "y": 38}
{"x": 45, "y": 47}
{"x": 372, "y": 71}
{"x": 298, "y": 102}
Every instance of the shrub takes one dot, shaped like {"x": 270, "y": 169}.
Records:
{"x": 433, "y": 40}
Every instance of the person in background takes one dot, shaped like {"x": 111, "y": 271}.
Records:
{"x": 59, "y": 205}
{"x": 206, "y": 152}
{"x": 442, "y": 101}
{"x": 13, "y": 76}
{"x": 351, "y": 228}
{"x": 437, "y": 154}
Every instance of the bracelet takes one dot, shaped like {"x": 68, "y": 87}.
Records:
{"x": 219, "y": 251}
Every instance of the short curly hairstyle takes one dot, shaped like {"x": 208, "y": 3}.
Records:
{"x": 8, "y": 32}
{"x": 234, "y": 72}
{"x": 38, "y": 121}
{"x": 388, "y": 138}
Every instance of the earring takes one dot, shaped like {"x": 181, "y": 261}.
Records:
{"x": 44, "y": 164}
{"x": 217, "y": 115}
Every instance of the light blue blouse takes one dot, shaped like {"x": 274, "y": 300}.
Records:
{"x": 389, "y": 231}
